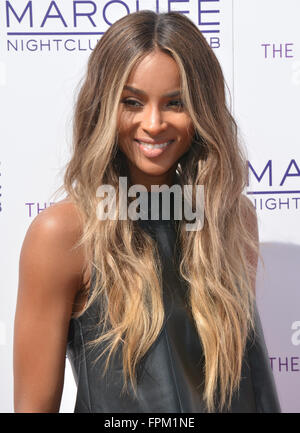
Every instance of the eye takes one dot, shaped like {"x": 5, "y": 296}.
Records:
{"x": 177, "y": 103}
{"x": 131, "y": 103}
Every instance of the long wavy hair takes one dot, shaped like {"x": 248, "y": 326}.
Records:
{"x": 124, "y": 258}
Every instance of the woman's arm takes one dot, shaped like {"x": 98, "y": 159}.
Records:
{"x": 50, "y": 276}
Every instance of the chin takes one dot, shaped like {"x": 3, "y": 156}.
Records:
{"x": 154, "y": 171}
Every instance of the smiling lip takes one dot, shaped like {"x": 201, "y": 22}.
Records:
{"x": 148, "y": 141}
{"x": 150, "y": 152}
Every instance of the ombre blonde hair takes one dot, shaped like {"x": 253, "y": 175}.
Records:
{"x": 124, "y": 257}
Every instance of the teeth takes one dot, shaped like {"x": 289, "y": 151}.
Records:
{"x": 154, "y": 146}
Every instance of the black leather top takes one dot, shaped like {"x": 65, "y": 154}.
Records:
{"x": 170, "y": 376}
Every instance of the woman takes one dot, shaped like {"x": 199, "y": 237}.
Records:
{"x": 155, "y": 318}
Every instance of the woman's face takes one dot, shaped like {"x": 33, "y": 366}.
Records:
{"x": 154, "y": 130}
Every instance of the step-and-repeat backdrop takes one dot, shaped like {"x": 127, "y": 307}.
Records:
{"x": 44, "y": 48}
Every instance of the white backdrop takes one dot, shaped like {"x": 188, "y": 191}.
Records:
{"x": 43, "y": 54}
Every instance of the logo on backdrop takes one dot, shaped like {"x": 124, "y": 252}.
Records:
{"x": 69, "y": 25}
{"x": 285, "y": 364}
{"x": 34, "y": 208}
{"x": 278, "y": 51}
{"x": 274, "y": 186}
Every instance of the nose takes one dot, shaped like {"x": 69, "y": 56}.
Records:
{"x": 153, "y": 120}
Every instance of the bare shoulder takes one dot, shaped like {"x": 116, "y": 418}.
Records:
{"x": 61, "y": 220}
{"x": 50, "y": 244}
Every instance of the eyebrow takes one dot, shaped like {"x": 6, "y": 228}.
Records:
{"x": 141, "y": 92}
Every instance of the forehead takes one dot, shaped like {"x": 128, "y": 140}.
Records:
{"x": 156, "y": 73}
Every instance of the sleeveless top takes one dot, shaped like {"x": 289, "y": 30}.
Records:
{"x": 170, "y": 375}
